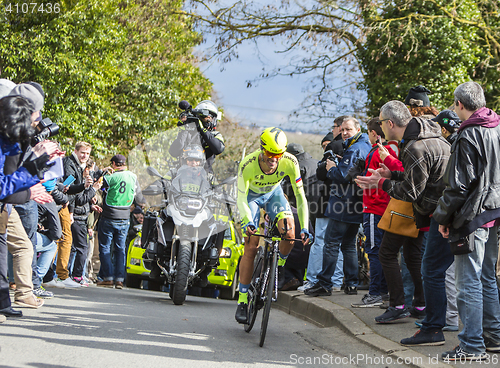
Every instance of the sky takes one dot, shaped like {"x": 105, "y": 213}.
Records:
{"x": 267, "y": 102}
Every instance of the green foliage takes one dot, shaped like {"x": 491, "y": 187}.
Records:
{"x": 113, "y": 71}
{"x": 413, "y": 43}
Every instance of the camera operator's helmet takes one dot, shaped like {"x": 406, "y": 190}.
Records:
{"x": 274, "y": 141}
{"x": 194, "y": 152}
{"x": 208, "y": 108}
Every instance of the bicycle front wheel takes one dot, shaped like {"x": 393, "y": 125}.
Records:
{"x": 269, "y": 292}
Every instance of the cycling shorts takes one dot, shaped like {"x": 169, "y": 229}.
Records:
{"x": 273, "y": 202}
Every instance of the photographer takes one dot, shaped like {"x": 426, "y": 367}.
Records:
{"x": 344, "y": 212}
{"x": 204, "y": 116}
{"x": 17, "y": 125}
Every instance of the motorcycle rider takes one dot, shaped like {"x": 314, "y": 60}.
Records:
{"x": 193, "y": 157}
{"x": 259, "y": 178}
{"x": 205, "y": 133}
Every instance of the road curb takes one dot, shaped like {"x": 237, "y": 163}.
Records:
{"x": 325, "y": 313}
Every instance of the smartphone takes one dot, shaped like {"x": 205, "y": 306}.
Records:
{"x": 379, "y": 139}
{"x": 69, "y": 180}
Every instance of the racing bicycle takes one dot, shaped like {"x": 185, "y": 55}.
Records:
{"x": 264, "y": 285}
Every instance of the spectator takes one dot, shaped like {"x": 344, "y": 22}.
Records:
{"x": 16, "y": 120}
{"x": 26, "y": 206}
{"x": 82, "y": 206}
{"x": 307, "y": 166}
{"x": 424, "y": 154}
{"x": 113, "y": 225}
{"x": 344, "y": 211}
{"x": 374, "y": 204}
{"x": 449, "y": 122}
{"x": 336, "y": 144}
{"x": 320, "y": 194}
{"x": 80, "y": 193}
{"x": 469, "y": 210}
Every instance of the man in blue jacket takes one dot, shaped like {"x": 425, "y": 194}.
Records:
{"x": 345, "y": 212}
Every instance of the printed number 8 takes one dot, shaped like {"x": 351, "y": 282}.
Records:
{"x": 123, "y": 187}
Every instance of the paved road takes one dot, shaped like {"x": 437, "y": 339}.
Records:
{"x": 98, "y": 327}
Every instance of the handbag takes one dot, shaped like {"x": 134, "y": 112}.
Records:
{"x": 398, "y": 218}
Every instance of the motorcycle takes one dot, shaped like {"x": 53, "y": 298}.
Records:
{"x": 183, "y": 236}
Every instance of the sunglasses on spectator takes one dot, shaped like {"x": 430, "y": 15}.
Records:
{"x": 272, "y": 155}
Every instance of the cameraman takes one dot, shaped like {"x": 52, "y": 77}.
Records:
{"x": 206, "y": 115}
{"x": 17, "y": 125}
{"x": 345, "y": 213}
{"x": 22, "y": 232}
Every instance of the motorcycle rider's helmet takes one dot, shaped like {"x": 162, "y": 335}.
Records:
{"x": 274, "y": 141}
{"x": 194, "y": 152}
{"x": 208, "y": 108}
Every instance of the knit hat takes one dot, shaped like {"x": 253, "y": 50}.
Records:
{"x": 38, "y": 87}
{"x": 328, "y": 137}
{"x": 417, "y": 96}
{"x": 29, "y": 92}
{"x": 448, "y": 119}
{"x": 295, "y": 149}
{"x": 137, "y": 210}
{"x": 5, "y": 87}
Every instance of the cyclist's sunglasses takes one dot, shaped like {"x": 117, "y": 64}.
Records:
{"x": 272, "y": 155}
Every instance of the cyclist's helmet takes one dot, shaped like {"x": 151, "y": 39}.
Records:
{"x": 194, "y": 152}
{"x": 208, "y": 108}
{"x": 273, "y": 140}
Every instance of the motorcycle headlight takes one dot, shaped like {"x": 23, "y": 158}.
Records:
{"x": 135, "y": 261}
{"x": 225, "y": 252}
{"x": 186, "y": 203}
{"x": 137, "y": 242}
{"x": 182, "y": 203}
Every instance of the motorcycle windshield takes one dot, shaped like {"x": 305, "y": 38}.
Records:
{"x": 190, "y": 181}
{"x": 164, "y": 173}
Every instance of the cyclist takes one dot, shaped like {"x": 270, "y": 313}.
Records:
{"x": 259, "y": 178}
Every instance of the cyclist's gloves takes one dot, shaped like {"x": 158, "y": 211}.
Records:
{"x": 38, "y": 166}
{"x": 308, "y": 235}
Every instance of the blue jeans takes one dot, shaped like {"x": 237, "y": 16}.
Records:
{"x": 47, "y": 250}
{"x": 339, "y": 235}
{"x": 112, "y": 232}
{"x": 477, "y": 297}
{"x": 316, "y": 256}
{"x": 437, "y": 259}
{"x": 374, "y": 236}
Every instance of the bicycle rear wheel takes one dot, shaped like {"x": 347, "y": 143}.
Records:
{"x": 254, "y": 290}
{"x": 269, "y": 292}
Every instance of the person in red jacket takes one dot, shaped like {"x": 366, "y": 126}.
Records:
{"x": 374, "y": 204}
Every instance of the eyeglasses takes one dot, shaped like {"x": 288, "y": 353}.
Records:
{"x": 272, "y": 155}
{"x": 381, "y": 121}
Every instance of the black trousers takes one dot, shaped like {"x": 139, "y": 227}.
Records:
{"x": 4, "y": 283}
{"x": 388, "y": 256}
{"x": 80, "y": 247}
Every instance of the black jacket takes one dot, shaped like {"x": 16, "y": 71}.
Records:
{"x": 212, "y": 143}
{"x": 79, "y": 197}
{"x": 424, "y": 154}
{"x": 48, "y": 217}
{"x": 312, "y": 187}
{"x": 472, "y": 195}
